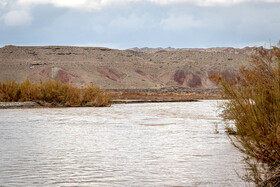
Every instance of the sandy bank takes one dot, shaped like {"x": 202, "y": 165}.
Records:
{"x": 150, "y": 101}
{"x": 29, "y": 104}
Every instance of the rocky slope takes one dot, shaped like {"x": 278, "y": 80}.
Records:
{"x": 122, "y": 69}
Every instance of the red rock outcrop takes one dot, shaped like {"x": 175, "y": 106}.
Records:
{"x": 112, "y": 74}
{"x": 141, "y": 72}
{"x": 179, "y": 77}
{"x": 59, "y": 75}
{"x": 194, "y": 80}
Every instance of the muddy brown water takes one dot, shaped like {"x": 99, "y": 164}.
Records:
{"x": 151, "y": 144}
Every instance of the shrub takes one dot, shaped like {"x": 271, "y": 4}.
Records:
{"x": 54, "y": 92}
{"x": 9, "y": 91}
{"x": 28, "y": 92}
{"x": 254, "y": 106}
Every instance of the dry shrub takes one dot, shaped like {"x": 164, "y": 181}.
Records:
{"x": 90, "y": 94}
{"x": 254, "y": 106}
{"x": 54, "y": 92}
{"x": 28, "y": 92}
{"x": 9, "y": 91}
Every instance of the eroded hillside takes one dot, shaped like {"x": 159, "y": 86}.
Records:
{"x": 121, "y": 69}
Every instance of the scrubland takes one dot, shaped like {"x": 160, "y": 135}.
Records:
{"x": 54, "y": 93}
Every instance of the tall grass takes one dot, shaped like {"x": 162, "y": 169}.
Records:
{"x": 54, "y": 92}
{"x": 254, "y": 106}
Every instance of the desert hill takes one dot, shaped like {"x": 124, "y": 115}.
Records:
{"x": 135, "y": 68}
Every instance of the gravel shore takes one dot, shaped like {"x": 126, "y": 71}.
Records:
{"x": 19, "y": 104}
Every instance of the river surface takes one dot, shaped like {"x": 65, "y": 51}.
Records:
{"x": 152, "y": 144}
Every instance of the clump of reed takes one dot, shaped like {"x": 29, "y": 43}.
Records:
{"x": 254, "y": 107}
{"x": 53, "y": 92}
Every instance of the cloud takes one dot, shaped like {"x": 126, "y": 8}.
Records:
{"x": 131, "y": 22}
{"x": 124, "y": 24}
{"x": 99, "y": 4}
{"x": 78, "y": 4}
{"x": 108, "y": 45}
{"x": 17, "y": 18}
{"x": 57, "y": 3}
{"x": 180, "y": 22}
{"x": 210, "y": 2}
{"x": 98, "y": 29}
{"x": 3, "y": 3}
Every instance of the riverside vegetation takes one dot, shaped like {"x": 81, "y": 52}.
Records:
{"x": 254, "y": 107}
{"x": 53, "y": 93}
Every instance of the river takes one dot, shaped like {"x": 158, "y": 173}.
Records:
{"x": 151, "y": 144}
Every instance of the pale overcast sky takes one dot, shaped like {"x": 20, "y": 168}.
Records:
{"x": 140, "y": 23}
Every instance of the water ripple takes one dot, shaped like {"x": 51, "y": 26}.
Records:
{"x": 152, "y": 144}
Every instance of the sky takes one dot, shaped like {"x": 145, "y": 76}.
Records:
{"x": 123, "y": 24}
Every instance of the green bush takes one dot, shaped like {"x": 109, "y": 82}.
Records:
{"x": 254, "y": 106}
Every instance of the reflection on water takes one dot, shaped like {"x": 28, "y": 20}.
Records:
{"x": 154, "y": 144}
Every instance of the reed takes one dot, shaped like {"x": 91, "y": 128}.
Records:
{"x": 54, "y": 92}
{"x": 254, "y": 107}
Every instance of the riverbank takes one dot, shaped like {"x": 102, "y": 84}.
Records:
{"x": 37, "y": 104}
{"x": 142, "y": 97}
{"x": 57, "y": 94}
{"x": 124, "y": 99}
{"x": 29, "y": 104}
{"x": 151, "y": 101}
